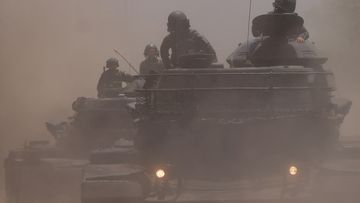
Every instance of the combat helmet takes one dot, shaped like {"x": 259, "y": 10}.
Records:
{"x": 286, "y": 6}
{"x": 177, "y": 20}
{"x": 151, "y": 46}
{"x": 112, "y": 62}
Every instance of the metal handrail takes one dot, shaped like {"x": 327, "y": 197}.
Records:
{"x": 234, "y": 89}
{"x": 234, "y": 73}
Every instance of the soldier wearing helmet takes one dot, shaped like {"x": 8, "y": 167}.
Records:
{"x": 111, "y": 79}
{"x": 284, "y": 6}
{"x": 151, "y": 64}
{"x": 289, "y": 6}
{"x": 182, "y": 40}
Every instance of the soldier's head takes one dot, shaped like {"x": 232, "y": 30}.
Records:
{"x": 151, "y": 51}
{"x": 112, "y": 63}
{"x": 178, "y": 22}
{"x": 285, "y": 6}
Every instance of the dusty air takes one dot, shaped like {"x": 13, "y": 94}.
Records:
{"x": 182, "y": 108}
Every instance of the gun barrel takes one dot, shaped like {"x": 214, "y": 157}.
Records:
{"x": 124, "y": 58}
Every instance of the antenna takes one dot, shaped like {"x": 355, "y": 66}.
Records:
{"x": 248, "y": 33}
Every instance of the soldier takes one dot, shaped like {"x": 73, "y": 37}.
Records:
{"x": 288, "y": 6}
{"x": 112, "y": 78}
{"x": 151, "y": 64}
{"x": 182, "y": 40}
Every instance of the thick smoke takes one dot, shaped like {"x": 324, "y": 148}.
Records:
{"x": 336, "y": 27}
{"x": 53, "y": 51}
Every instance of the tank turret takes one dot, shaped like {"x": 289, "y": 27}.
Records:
{"x": 275, "y": 45}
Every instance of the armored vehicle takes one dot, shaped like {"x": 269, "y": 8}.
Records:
{"x": 51, "y": 172}
{"x": 260, "y": 131}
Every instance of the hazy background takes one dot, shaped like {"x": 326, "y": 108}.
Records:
{"x": 53, "y": 51}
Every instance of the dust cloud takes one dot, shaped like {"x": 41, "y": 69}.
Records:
{"x": 53, "y": 51}
{"x": 335, "y": 27}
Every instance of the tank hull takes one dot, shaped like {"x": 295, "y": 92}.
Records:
{"x": 52, "y": 173}
{"x": 44, "y": 181}
{"x": 335, "y": 180}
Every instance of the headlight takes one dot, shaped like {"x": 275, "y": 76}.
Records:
{"x": 160, "y": 173}
{"x": 293, "y": 171}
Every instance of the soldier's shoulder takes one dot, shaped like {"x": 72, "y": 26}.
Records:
{"x": 167, "y": 37}
{"x": 120, "y": 73}
{"x": 107, "y": 72}
{"x": 194, "y": 32}
{"x": 197, "y": 35}
{"x": 142, "y": 62}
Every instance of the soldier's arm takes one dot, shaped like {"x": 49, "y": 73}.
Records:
{"x": 142, "y": 68}
{"x": 100, "y": 85}
{"x": 303, "y": 33}
{"x": 126, "y": 77}
{"x": 255, "y": 30}
{"x": 164, "y": 52}
{"x": 161, "y": 65}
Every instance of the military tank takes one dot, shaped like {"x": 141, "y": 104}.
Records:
{"x": 51, "y": 172}
{"x": 261, "y": 131}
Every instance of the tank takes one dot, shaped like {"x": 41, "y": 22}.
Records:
{"x": 260, "y": 131}
{"x": 45, "y": 171}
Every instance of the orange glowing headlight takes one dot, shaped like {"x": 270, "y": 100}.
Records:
{"x": 160, "y": 173}
{"x": 293, "y": 171}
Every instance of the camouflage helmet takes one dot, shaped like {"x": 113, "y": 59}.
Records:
{"x": 287, "y": 6}
{"x": 112, "y": 62}
{"x": 176, "y": 20}
{"x": 151, "y": 46}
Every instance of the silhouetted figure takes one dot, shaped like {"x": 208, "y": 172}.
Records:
{"x": 182, "y": 40}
